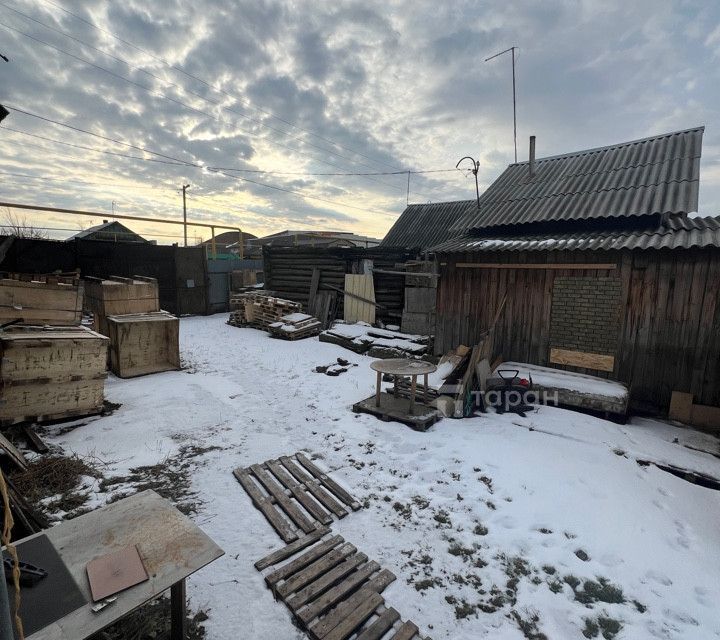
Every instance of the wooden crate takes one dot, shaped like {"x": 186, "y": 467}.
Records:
{"x": 41, "y": 299}
{"x": 143, "y": 343}
{"x": 117, "y": 296}
{"x": 49, "y": 373}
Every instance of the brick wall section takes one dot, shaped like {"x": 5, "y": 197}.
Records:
{"x": 586, "y": 314}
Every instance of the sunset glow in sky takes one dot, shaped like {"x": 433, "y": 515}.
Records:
{"x": 272, "y": 91}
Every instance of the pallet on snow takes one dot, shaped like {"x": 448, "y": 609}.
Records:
{"x": 259, "y": 309}
{"x": 333, "y": 590}
{"x": 295, "y": 326}
{"x": 294, "y": 495}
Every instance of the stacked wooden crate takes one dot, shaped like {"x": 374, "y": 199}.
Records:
{"x": 117, "y": 296}
{"x": 41, "y": 299}
{"x": 50, "y": 367}
{"x": 49, "y": 373}
{"x": 143, "y": 339}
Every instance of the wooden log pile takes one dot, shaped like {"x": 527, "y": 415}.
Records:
{"x": 295, "y": 326}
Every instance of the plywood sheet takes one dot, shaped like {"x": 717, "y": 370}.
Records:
{"x": 595, "y": 361}
{"x": 114, "y": 572}
{"x": 361, "y": 285}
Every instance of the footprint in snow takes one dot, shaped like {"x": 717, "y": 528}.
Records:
{"x": 660, "y": 578}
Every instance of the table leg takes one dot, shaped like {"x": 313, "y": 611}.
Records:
{"x": 178, "y": 630}
{"x": 377, "y": 389}
{"x": 395, "y": 386}
{"x": 426, "y": 395}
{"x": 413, "y": 386}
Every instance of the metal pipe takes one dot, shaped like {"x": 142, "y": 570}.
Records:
{"x": 97, "y": 214}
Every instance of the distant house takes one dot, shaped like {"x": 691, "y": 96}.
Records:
{"x": 110, "y": 232}
{"x": 305, "y": 238}
{"x": 228, "y": 241}
{"x": 601, "y": 268}
{"x": 422, "y": 226}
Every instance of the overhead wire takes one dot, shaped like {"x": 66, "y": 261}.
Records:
{"x": 185, "y": 105}
{"x": 199, "y": 166}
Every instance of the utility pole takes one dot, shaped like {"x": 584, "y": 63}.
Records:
{"x": 511, "y": 50}
{"x": 184, "y": 189}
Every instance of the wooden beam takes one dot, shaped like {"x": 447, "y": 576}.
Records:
{"x": 581, "y": 359}
{"x": 420, "y": 274}
{"x": 539, "y": 265}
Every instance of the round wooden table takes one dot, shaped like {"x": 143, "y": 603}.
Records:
{"x": 404, "y": 368}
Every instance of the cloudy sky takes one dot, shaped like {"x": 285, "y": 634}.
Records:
{"x": 242, "y": 99}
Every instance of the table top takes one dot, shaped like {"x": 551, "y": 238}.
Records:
{"x": 171, "y": 546}
{"x": 403, "y": 367}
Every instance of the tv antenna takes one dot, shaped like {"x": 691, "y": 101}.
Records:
{"x": 512, "y": 51}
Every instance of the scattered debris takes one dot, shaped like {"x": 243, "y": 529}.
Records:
{"x": 334, "y": 369}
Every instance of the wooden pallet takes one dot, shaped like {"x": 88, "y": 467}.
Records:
{"x": 295, "y": 326}
{"x": 333, "y": 590}
{"x": 294, "y": 495}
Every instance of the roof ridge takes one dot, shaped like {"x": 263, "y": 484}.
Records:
{"x": 616, "y": 145}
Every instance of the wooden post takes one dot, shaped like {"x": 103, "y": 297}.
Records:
{"x": 377, "y": 390}
{"x": 212, "y": 243}
{"x": 242, "y": 248}
{"x": 413, "y": 387}
{"x": 178, "y": 630}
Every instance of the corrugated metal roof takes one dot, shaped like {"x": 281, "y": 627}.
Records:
{"x": 424, "y": 225}
{"x": 651, "y": 176}
{"x": 677, "y": 233}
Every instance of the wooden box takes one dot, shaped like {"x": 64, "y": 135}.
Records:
{"x": 49, "y": 373}
{"x": 143, "y": 343}
{"x": 117, "y": 296}
{"x": 37, "y": 300}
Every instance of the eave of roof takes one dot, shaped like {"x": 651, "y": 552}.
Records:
{"x": 675, "y": 233}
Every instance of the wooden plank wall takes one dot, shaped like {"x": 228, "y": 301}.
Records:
{"x": 288, "y": 272}
{"x": 670, "y": 317}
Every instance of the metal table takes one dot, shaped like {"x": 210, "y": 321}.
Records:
{"x": 171, "y": 546}
{"x": 405, "y": 368}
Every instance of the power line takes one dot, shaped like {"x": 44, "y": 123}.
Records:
{"x": 267, "y": 172}
{"x": 168, "y": 82}
{"x": 102, "y": 137}
{"x": 178, "y": 102}
{"x": 85, "y": 148}
{"x": 301, "y": 173}
{"x": 207, "y": 84}
{"x": 199, "y": 166}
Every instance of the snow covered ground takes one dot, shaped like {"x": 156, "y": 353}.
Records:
{"x": 491, "y": 524}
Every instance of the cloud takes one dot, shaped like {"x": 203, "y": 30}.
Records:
{"x": 343, "y": 87}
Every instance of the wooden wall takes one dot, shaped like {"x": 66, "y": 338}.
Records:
{"x": 670, "y": 316}
{"x": 288, "y": 272}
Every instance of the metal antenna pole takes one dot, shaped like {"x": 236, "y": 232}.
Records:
{"x": 512, "y": 51}
{"x": 475, "y": 169}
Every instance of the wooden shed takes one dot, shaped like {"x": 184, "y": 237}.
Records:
{"x": 604, "y": 271}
